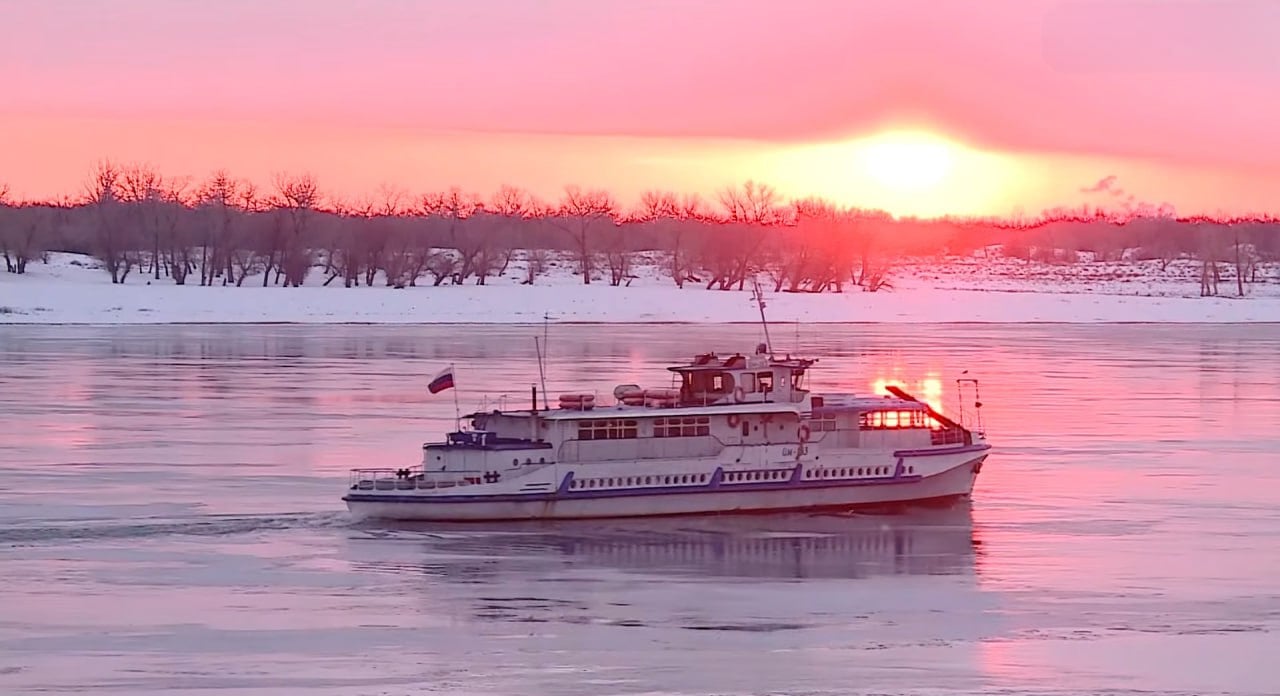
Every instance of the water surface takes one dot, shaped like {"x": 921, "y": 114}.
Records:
{"x": 170, "y": 522}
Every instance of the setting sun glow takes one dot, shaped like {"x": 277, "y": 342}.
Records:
{"x": 905, "y": 172}
{"x": 906, "y": 161}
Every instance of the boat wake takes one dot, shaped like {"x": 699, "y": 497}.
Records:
{"x": 52, "y": 531}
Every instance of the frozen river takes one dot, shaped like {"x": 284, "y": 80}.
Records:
{"x": 171, "y": 522}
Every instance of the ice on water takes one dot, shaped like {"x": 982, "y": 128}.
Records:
{"x": 170, "y": 522}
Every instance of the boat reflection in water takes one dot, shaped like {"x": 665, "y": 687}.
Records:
{"x": 914, "y": 541}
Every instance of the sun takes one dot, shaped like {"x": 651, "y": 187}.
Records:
{"x": 905, "y": 171}
{"x": 905, "y": 161}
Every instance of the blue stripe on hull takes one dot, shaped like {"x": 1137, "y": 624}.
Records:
{"x": 940, "y": 452}
{"x": 566, "y": 493}
{"x": 876, "y": 506}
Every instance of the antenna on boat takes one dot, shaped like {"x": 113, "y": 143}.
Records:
{"x": 457, "y": 410}
{"x": 758, "y": 296}
{"x": 542, "y": 372}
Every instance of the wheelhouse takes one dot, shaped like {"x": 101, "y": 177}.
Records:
{"x": 739, "y": 379}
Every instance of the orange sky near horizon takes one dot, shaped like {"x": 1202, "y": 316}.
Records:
{"x": 912, "y": 107}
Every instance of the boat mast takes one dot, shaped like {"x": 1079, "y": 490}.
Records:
{"x": 758, "y": 296}
{"x": 542, "y": 374}
{"x": 457, "y": 410}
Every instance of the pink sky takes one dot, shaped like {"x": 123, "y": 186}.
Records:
{"x": 1178, "y": 100}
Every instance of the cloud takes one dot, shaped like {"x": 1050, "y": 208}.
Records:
{"x": 1106, "y": 183}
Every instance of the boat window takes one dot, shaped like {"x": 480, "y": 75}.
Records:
{"x": 748, "y": 383}
{"x": 797, "y": 379}
{"x": 826, "y": 421}
{"x": 882, "y": 420}
{"x": 689, "y": 426}
{"x": 612, "y": 429}
{"x": 765, "y": 380}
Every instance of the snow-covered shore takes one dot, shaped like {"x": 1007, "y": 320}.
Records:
{"x": 74, "y": 290}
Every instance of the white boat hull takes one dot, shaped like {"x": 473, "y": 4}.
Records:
{"x": 954, "y": 479}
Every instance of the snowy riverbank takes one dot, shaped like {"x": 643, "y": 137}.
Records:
{"x": 72, "y": 290}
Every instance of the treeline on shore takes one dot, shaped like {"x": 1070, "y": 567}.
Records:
{"x": 223, "y": 231}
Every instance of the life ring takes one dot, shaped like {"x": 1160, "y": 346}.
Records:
{"x": 803, "y": 433}
{"x": 739, "y": 394}
{"x": 734, "y": 419}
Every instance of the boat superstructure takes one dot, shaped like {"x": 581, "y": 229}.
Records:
{"x": 734, "y": 433}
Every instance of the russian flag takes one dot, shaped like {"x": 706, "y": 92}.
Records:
{"x": 442, "y": 381}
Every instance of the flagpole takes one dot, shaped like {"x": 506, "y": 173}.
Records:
{"x": 457, "y": 411}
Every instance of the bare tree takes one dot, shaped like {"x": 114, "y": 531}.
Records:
{"x": 870, "y": 232}
{"x": 674, "y": 218}
{"x": 112, "y": 241}
{"x": 296, "y": 201}
{"x": 580, "y": 213}
{"x": 180, "y": 238}
{"x": 731, "y": 250}
{"x": 754, "y": 203}
{"x": 452, "y": 214}
{"x": 25, "y": 231}
{"x": 380, "y": 232}
{"x": 244, "y": 255}
{"x": 511, "y": 211}
{"x": 139, "y": 191}
{"x": 220, "y": 226}
{"x": 344, "y": 253}
{"x": 1245, "y": 236}
{"x": 133, "y": 217}
{"x": 614, "y": 241}
{"x": 1158, "y": 237}
{"x": 154, "y": 206}
{"x": 1210, "y": 253}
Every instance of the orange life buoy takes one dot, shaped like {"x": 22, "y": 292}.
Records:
{"x": 734, "y": 419}
{"x": 739, "y": 394}
{"x": 803, "y": 432}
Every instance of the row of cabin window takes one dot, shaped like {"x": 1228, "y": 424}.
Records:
{"x": 681, "y": 479}
{"x": 875, "y": 420}
{"x": 760, "y": 381}
{"x": 750, "y": 382}
{"x": 686, "y": 426}
{"x": 773, "y": 475}
{"x": 825, "y": 421}
{"x": 860, "y": 471}
{"x": 731, "y": 477}
{"x": 626, "y": 429}
{"x": 889, "y": 420}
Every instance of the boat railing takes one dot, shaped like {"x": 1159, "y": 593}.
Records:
{"x": 949, "y": 436}
{"x": 410, "y": 478}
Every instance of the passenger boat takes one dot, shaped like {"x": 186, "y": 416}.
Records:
{"x": 738, "y": 433}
